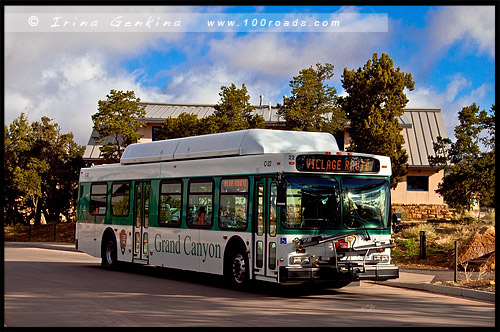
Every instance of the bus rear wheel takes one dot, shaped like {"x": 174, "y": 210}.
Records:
{"x": 108, "y": 252}
{"x": 236, "y": 272}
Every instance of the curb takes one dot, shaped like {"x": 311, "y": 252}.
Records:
{"x": 43, "y": 245}
{"x": 446, "y": 290}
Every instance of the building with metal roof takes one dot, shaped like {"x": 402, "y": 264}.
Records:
{"x": 420, "y": 128}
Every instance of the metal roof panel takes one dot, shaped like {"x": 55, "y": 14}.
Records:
{"x": 419, "y": 139}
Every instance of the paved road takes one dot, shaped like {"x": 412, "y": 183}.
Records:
{"x": 54, "y": 288}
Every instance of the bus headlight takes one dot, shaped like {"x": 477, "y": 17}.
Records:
{"x": 300, "y": 260}
{"x": 381, "y": 258}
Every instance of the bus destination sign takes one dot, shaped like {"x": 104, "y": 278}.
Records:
{"x": 336, "y": 163}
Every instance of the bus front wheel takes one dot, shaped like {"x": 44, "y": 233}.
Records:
{"x": 236, "y": 271}
{"x": 108, "y": 252}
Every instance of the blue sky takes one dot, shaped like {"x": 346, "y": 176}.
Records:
{"x": 62, "y": 72}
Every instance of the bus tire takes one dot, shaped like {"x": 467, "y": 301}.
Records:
{"x": 108, "y": 252}
{"x": 236, "y": 270}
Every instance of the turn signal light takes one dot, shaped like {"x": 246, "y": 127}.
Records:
{"x": 342, "y": 244}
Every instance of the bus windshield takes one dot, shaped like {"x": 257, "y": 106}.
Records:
{"x": 312, "y": 202}
{"x": 366, "y": 203}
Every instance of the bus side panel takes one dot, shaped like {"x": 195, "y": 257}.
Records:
{"x": 123, "y": 237}
{"x": 85, "y": 232}
{"x": 175, "y": 248}
{"x": 213, "y": 245}
{"x": 85, "y": 222}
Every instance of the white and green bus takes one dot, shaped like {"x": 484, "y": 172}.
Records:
{"x": 271, "y": 205}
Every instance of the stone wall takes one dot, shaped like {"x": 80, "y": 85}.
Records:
{"x": 422, "y": 211}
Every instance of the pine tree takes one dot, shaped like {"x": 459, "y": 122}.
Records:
{"x": 119, "y": 118}
{"x": 233, "y": 112}
{"x": 469, "y": 170}
{"x": 375, "y": 100}
{"x": 312, "y": 105}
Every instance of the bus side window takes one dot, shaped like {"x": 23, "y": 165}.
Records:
{"x": 200, "y": 203}
{"x": 98, "y": 199}
{"x": 120, "y": 199}
{"x": 170, "y": 203}
{"x": 233, "y": 203}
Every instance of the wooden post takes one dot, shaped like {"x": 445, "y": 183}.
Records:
{"x": 422, "y": 245}
{"x": 456, "y": 262}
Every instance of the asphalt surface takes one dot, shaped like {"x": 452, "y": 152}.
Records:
{"x": 419, "y": 279}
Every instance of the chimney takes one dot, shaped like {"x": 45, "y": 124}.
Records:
{"x": 261, "y": 100}
{"x": 269, "y": 105}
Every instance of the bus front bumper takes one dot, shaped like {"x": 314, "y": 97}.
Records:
{"x": 379, "y": 272}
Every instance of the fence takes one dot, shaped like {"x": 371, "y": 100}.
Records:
{"x": 58, "y": 232}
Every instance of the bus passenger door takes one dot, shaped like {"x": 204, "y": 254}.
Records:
{"x": 264, "y": 262}
{"x": 141, "y": 222}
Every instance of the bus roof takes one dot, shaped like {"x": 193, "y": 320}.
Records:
{"x": 235, "y": 143}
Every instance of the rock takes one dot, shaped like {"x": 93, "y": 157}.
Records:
{"x": 479, "y": 244}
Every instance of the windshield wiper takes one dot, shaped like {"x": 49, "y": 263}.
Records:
{"x": 362, "y": 224}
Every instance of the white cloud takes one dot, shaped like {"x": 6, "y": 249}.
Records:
{"x": 458, "y": 84}
{"x": 63, "y": 75}
{"x": 473, "y": 24}
{"x": 68, "y": 91}
{"x": 286, "y": 54}
{"x": 455, "y": 96}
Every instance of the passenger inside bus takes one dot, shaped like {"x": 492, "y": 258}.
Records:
{"x": 200, "y": 216}
{"x": 168, "y": 213}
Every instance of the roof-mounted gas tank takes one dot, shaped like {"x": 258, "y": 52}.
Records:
{"x": 236, "y": 143}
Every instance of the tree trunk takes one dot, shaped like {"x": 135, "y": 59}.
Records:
{"x": 38, "y": 212}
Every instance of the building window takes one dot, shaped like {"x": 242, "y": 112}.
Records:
{"x": 155, "y": 133}
{"x": 417, "y": 183}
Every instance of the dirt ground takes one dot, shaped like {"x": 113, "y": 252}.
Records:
{"x": 476, "y": 247}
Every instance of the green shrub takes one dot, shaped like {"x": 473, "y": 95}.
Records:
{"x": 489, "y": 218}
{"x": 414, "y": 232}
{"x": 467, "y": 220}
{"x": 411, "y": 246}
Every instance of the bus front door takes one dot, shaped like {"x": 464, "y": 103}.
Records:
{"x": 265, "y": 221}
{"x": 141, "y": 222}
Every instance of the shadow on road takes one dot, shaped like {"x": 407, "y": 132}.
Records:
{"x": 256, "y": 287}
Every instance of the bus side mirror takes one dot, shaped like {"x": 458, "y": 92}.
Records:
{"x": 281, "y": 199}
{"x": 396, "y": 222}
